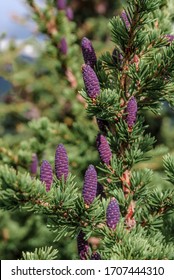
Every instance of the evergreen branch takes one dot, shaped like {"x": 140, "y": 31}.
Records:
{"x": 106, "y": 107}
{"x": 10, "y": 155}
{"x": 136, "y": 244}
{"x": 20, "y": 189}
{"x": 152, "y": 79}
{"x": 168, "y": 162}
{"x": 152, "y": 210}
{"x": 84, "y": 217}
{"x": 44, "y": 253}
{"x": 140, "y": 181}
{"x": 137, "y": 13}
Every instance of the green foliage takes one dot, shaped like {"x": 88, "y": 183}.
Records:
{"x": 47, "y": 253}
{"x": 169, "y": 167}
{"x": 22, "y": 231}
{"x": 135, "y": 245}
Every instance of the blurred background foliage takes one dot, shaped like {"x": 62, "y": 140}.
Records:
{"x": 41, "y": 106}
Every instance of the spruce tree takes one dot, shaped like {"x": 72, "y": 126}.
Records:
{"x": 118, "y": 212}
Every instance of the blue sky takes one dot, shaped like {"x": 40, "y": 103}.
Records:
{"x": 7, "y": 24}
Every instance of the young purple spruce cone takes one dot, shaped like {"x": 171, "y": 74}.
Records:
{"x": 95, "y": 256}
{"x": 88, "y": 52}
{"x": 69, "y": 13}
{"x": 34, "y": 165}
{"x": 63, "y": 46}
{"x": 90, "y": 185}
{"x": 61, "y": 4}
{"x": 46, "y": 174}
{"x": 103, "y": 149}
{"x": 82, "y": 246}
{"x": 125, "y": 19}
{"x": 112, "y": 214}
{"x": 131, "y": 111}
{"x": 91, "y": 81}
{"x": 61, "y": 162}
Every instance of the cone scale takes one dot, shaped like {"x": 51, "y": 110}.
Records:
{"x": 46, "y": 174}
{"x": 91, "y": 81}
{"x": 112, "y": 214}
{"x": 103, "y": 149}
{"x": 61, "y": 162}
{"x": 131, "y": 111}
{"x": 90, "y": 185}
{"x": 88, "y": 52}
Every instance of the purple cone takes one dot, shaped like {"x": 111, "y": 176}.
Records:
{"x": 63, "y": 46}
{"x": 112, "y": 214}
{"x": 88, "y": 52}
{"x": 61, "y": 4}
{"x": 91, "y": 81}
{"x": 131, "y": 111}
{"x": 82, "y": 246}
{"x": 125, "y": 19}
{"x": 61, "y": 162}
{"x": 90, "y": 185}
{"x": 46, "y": 174}
{"x": 95, "y": 256}
{"x": 103, "y": 149}
{"x": 34, "y": 164}
{"x": 69, "y": 13}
